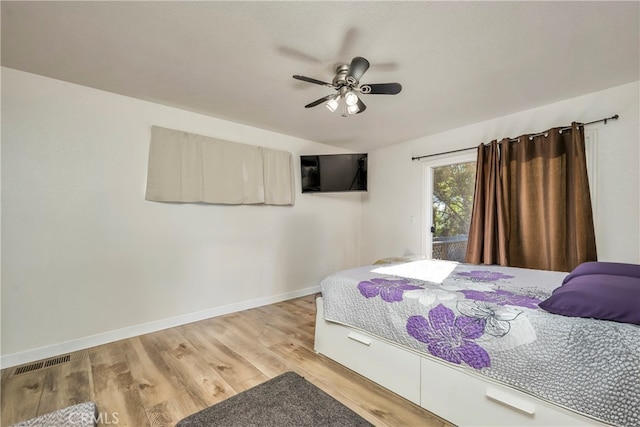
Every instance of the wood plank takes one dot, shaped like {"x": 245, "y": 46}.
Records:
{"x": 252, "y": 382}
{"x": 201, "y": 381}
{"x": 291, "y": 324}
{"x": 21, "y": 397}
{"x": 247, "y": 345}
{"x": 150, "y": 373}
{"x": 115, "y": 392}
{"x": 168, "y": 413}
{"x": 273, "y": 329}
{"x": 231, "y": 366}
{"x": 65, "y": 385}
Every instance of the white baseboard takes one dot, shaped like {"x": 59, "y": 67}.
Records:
{"x": 45, "y": 352}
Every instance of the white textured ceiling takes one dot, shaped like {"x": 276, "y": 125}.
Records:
{"x": 458, "y": 62}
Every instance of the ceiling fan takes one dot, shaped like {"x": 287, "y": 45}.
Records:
{"x": 347, "y": 83}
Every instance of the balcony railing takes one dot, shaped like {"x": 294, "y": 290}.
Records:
{"x": 451, "y": 248}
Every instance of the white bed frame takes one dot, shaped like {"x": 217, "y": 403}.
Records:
{"x": 455, "y": 394}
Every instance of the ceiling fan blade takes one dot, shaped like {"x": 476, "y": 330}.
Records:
{"x": 381, "y": 88}
{"x": 319, "y": 101}
{"x": 314, "y": 81}
{"x": 357, "y": 68}
{"x": 348, "y": 42}
{"x": 361, "y": 106}
{"x": 297, "y": 54}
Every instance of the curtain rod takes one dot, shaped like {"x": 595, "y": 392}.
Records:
{"x": 605, "y": 120}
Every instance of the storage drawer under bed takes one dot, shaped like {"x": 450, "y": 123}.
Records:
{"x": 465, "y": 400}
{"x": 384, "y": 363}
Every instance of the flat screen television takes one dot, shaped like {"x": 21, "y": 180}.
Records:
{"x": 334, "y": 173}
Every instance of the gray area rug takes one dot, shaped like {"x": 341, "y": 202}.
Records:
{"x": 81, "y": 415}
{"x": 286, "y": 400}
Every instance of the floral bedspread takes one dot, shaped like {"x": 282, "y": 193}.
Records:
{"x": 487, "y": 319}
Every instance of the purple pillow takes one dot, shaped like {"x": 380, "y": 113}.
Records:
{"x": 599, "y": 296}
{"x": 613, "y": 268}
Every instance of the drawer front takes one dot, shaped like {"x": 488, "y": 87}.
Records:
{"x": 467, "y": 400}
{"x": 381, "y": 362}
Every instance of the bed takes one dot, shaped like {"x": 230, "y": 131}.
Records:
{"x": 471, "y": 344}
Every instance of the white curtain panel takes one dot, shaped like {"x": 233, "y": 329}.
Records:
{"x": 185, "y": 167}
{"x": 279, "y": 187}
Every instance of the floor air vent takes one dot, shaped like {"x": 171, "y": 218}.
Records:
{"x": 28, "y": 368}
{"x": 50, "y": 362}
{"x": 57, "y": 360}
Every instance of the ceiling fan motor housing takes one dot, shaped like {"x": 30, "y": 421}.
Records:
{"x": 341, "y": 75}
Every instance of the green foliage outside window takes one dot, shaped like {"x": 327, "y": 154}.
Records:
{"x": 453, "y": 187}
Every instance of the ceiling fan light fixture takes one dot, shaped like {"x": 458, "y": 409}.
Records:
{"x": 351, "y": 99}
{"x": 353, "y": 109}
{"x": 333, "y": 104}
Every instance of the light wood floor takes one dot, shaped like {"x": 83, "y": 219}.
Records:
{"x": 159, "y": 378}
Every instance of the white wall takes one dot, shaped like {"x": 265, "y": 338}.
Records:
{"x": 86, "y": 260}
{"x": 395, "y": 182}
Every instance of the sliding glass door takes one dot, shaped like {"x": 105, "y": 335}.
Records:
{"x": 449, "y": 184}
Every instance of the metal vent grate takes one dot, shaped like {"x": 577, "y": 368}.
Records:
{"x": 28, "y": 368}
{"x": 57, "y": 360}
{"x": 73, "y": 357}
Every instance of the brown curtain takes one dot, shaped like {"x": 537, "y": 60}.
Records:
{"x": 532, "y": 206}
{"x": 488, "y": 231}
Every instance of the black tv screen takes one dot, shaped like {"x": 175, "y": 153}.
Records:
{"x": 334, "y": 172}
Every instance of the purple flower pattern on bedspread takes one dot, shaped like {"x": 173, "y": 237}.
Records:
{"x": 497, "y": 318}
{"x": 449, "y": 337}
{"x": 502, "y": 297}
{"x": 389, "y": 290}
